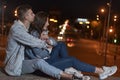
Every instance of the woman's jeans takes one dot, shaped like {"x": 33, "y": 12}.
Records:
{"x": 60, "y": 59}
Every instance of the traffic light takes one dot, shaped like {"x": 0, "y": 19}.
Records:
{"x": 115, "y": 41}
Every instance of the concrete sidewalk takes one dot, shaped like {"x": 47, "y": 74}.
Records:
{"x": 3, "y": 76}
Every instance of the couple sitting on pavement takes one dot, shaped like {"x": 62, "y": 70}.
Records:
{"x": 28, "y": 51}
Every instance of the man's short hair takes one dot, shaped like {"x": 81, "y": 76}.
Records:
{"x": 21, "y": 10}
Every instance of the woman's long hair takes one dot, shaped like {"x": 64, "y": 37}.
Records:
{"x": 39, "y": 22}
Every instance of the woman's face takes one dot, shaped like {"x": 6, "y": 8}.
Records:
{"x": 46, "y": 24}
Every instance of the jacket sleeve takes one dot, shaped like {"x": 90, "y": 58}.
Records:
{"x": 29, "y": 53}
{"x": 32, "y": 53}
{"x": 40, "y": 53}
{"x": 22, "y": 36}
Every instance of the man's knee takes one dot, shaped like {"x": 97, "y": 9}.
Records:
{"x": 39, "y": 63}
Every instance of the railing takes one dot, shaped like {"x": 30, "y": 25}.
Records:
{"x": 113, "y": 50}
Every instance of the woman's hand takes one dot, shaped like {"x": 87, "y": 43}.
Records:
{"x": 49, "y": 46}
{"x": 44, "y": 36}
{"x": 48, "y": 42}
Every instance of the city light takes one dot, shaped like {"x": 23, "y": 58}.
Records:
{"x": 102, "y": 10}
{"x": 115, "y": 18}
{"x": 97, "y": 17}
{"x": 115, "y": 40}
{"x": 53, "y": 20}
{"x": 110, "y": 30}
{"x": 15, "y": 13}
{"x": 82, "y": 20}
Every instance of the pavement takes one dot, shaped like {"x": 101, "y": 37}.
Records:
{"x": 3, "y": 76}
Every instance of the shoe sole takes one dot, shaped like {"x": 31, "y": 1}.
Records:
{"x": 85, "y": 78}
{"x": 113, "y": 72}
{"x": 103, "y": 78}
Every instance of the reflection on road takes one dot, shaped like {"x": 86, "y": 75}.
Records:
{"x": 70, "y": 44}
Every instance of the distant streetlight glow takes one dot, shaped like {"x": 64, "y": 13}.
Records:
{"x": 115, "y": 40}
{"x": 102, "y": 10}
{"x": 87, "y": 22}
{"x": 4, "y": 6}
{"x": 80, "y": 22}
{"x": 110, "y": 30}
{"x": 115, "y": 17}
{"x": 53, "y": 20}
{"x": 97, "y": 17}
{"x": 88, "y": 26}
{"x": 15, "y": 13}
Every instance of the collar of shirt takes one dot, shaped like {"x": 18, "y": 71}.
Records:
{"x": 20, "y": 22}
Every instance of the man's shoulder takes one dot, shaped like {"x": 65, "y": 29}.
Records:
{"x": 16, "y": 25}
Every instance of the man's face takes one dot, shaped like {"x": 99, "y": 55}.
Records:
{"x": 29, "y": 16}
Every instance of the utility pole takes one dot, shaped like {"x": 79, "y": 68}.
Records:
{"x": 3, "y": 6}
{"x": 2, "y": 25}
{"x": 106, "y": 35}
{"x": 3, "y": 10}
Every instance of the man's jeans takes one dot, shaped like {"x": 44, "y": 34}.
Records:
{"x": 29, "y": 66}
{"x": 60, "y": 59}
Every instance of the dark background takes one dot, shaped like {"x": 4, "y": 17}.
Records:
{"x": 67, "y": 8}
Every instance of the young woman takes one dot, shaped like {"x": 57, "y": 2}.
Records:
{"x": 59, "y": 57}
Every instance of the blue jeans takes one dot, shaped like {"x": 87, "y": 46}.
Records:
{"x": 30, "y": 66}
{"x": 60, "y": 59}
{"x": 59, "y": 51}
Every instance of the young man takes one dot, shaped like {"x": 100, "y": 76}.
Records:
{"x": 15, "y": 64}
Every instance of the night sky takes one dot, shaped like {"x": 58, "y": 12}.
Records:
{"x": 68, "y": 8}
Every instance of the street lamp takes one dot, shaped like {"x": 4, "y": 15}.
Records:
{"x": 102, "y": 10}
{"x": 106, "y": 35}
{"x": 111, "y": 30}
{"x": 102, "y": 30}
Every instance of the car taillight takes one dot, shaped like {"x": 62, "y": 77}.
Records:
{"x": 68, "y": 39}
{"x": 71, "y": 39}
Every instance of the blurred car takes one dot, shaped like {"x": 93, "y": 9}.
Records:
{"x": 69, "y": 37}
{"x": 60, "y": 37}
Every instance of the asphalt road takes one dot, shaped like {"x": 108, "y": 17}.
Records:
{"x": 86, "y": 51}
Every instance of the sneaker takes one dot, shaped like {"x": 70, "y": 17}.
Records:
{"x": 74, "y": 72}
{"x": 108, "y": 71}
{"x": 85, "y": 78}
